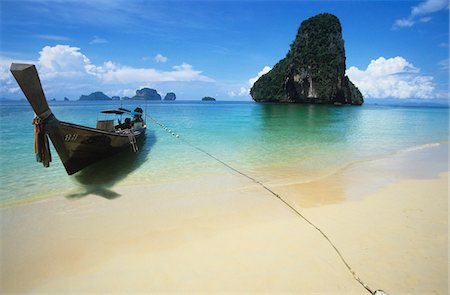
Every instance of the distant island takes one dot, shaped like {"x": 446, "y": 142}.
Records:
{"x": 313, "y": 70}
{"x": 208, "y": 98}
{"x": 141, "y": 94}
{"x": 66, "y": 99}
{"x": 146, "y": 94}
{"x": 98, "y": 95}
{"x": 170, "y": 96}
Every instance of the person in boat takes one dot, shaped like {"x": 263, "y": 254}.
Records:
{"x": 137, "y": 115}
{"x": 126, "y": 124}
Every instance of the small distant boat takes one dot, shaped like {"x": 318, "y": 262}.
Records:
{"x": 77, "y": 146}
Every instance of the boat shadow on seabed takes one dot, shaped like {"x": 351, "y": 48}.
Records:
{"x": 97, "y": 157}
{"x": 99, "y": 178}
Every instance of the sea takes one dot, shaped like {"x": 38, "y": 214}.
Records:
{"x": 272, "y": 143}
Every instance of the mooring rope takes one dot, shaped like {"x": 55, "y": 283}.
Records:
{"x": 355, "y": 276}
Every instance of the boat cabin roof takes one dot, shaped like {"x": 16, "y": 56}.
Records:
{"x": 121, "y": 111}
{"x": 117, "y": 112}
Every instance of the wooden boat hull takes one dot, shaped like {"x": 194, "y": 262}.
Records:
{"x": 80, "y": 146}
{"x": 77, "y": 146}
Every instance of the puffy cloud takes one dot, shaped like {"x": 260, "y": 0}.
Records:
{"x": 265, "y": 70}
{"x": 392, "y": 78}
{"x": 62, "y": 61}
{"x": 122, "y": 92}
{"x": 421, "y": 12}
{"x": 245, "y": 90}
{"x": 66, "y": 68}
{"x": 160, "y": 58}
{"x": 7, "y": 83}
{"x": 112, "y": 73}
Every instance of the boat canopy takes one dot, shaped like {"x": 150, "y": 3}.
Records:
{"x": 121, "y": 111}
{"x": 117, "y": 112}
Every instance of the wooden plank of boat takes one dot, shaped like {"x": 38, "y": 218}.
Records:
{"x": 77, "y": 146}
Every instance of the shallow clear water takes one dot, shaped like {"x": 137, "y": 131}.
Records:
{"x": 272, "y": 142}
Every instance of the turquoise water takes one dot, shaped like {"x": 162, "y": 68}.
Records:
{"x": 271, "y": 142}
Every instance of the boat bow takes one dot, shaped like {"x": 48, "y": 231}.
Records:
{"x": 28, "y": 79}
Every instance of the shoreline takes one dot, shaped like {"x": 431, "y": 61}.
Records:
{"x": 227, "y": 234}
{"x": 324, "y": 174}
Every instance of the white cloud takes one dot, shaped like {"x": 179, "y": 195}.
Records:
{"x": 67, "y": 61}
{"x": 245, "y": 90}
{"x": 98, "y": 40}
{"x": 429, "y": 6}
{"x": 62, "y": 61}
{"x": 7, "y": 83}
{"x": 444, "y": 64}
{"x": 392, "y": 78}
{"x": 112, "y": 73}
{"x": 64, "y": 68}
{"x": 159, "y": 58}
{"x": 122, "y": 92}
{"x": 421, "y": 12}
{"x": 403, "y": 23}
{"x": 265, "y": 70}
{"x": 425, "y": 19}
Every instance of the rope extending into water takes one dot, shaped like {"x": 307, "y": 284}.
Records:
{"x": 296, "y": 211}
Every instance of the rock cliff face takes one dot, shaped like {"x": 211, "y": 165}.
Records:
{"x": 313, "y": 70}
{"x": 146, "y": 94}
{"x": 95, "y": 96}
{"x": 170, "y": 96}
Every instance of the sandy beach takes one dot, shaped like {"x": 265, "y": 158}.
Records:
{"x": 388, "y": 217}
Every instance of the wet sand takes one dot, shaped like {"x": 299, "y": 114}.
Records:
{"x": 388, "y": 217}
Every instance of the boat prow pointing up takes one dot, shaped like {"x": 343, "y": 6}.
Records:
{"x": 77, "y": 146}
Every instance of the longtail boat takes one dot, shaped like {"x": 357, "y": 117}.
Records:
{"x": 77, "y": 146}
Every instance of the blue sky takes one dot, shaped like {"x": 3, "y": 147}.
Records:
{"x": 395, "y": 49}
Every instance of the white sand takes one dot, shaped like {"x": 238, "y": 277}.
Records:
{"x": 226, "y": 234}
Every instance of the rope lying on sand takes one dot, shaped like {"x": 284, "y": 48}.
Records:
{"x": 171, "y": 132}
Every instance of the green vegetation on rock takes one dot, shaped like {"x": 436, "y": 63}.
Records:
{"x": 208, "y": 98}
{"x": 313, "y": 70}
{"x": 170, "y": 96}
{"x": 146, "y": 94}
{"x": 95, "y": 96}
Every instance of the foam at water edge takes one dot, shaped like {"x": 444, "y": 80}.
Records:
{"x": 420, "y": 147}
